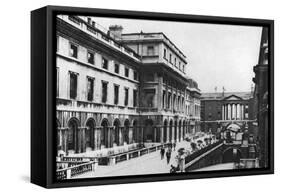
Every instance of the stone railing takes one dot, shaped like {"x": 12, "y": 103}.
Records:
{"x": 190, "y": 159}
{"x": 73, "y": 171}
{"x": 114, "y": 159}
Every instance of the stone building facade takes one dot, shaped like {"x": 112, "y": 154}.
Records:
{"x": 219, "y": 110}
{"x": 261, "y": 97}
{"x": 112, "y": 94}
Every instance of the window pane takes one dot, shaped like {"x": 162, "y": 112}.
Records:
{"x": 104, "y": 92}
{"x": 73, "y": 86}
{"x": 91, "y": 58}
{"x": 73, "y": 51}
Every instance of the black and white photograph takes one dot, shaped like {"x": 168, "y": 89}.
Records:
{"x": 147, "y": 97}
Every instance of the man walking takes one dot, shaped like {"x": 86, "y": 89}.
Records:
{"x": 168, "y": 155}
{"x": 162, "y": 152}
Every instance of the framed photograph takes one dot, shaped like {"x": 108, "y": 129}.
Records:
{"x": 126, "y": 96}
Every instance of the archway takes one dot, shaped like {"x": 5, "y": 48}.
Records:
{"x": 231, "y": 131}
{"x": 135, "y": 131}
{"x": 116, "y": 132}
{"x": 59, "y": 135}
{"x": 126, "y": 131}
{"x": 231, "y": 155}
{"x": 180, "y": 130}
{"x": 104, "y": 133}
{"x": 175, "y": 130}
{"x": 148, "y": 130}
{"x": 90, "y": 134}
{"x": 72, "y": 140}
{"x": 170, "y": 130}
{"x": 165, "y": 130}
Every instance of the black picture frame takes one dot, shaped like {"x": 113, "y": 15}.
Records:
{"x": 43, "y": 103}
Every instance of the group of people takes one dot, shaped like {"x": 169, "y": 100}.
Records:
{"x": 168, "y": 152}
{"x": 179, "y": 159}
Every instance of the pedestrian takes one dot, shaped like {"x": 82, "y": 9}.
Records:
{"x": 174, "y": 145}
{"x": 162, "y": 152}
{"x": 168, "y": 155}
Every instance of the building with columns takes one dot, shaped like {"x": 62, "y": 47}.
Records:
{"x": 117, "y": 91}
{"x": 222, "y": 109}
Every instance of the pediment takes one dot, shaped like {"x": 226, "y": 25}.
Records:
{"x": 232, "y": 97}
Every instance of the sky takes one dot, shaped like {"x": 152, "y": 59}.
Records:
{"x": 218, "y": 55}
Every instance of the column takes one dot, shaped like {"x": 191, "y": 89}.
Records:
{"x": 229, "y": 111}
{"x": 243, "y": 111}
{"x": 226, "y": 111}
{"x": 222, "y": 113}
{"x": 236, "y": 112}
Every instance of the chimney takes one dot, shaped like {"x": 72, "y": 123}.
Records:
{"x": 115, "y": 31}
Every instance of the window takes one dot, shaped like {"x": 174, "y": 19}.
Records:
{"x": 135, "y": 94}
{"x": 126, "y": 96}
{"x": 73, "y": 50}
{"x": 73, "y": 85}
{"x": 116, "y": 94}
{"x": 135, "y": 75}
{"x": 90, "y": 89}
{"x": 126, "y": 72}
{"x": 180, "y": 65}
{"x": 57, "y": 94}
{"x": 104, "y": 63}
{"x": 165, "y": 54}
{"x": 170, "y": 59}
{"x": 169, "y": 100}
{"x": 175, "y": 61}
{"x": 116, "y": 68}
{"x": 58, "y": 43}
{"x": 150, "y": 51}
{"x": 104, "y": 91}
{"x": 91, "y": 57}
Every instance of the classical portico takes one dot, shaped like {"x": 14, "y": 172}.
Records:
{"x": 233, "y": 111}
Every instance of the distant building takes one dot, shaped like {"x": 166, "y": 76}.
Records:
{"x": 219, "y": 110}
{"x": 261, "y": 98}
{"x": 116, "y": 91}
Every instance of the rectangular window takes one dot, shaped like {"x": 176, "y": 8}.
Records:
{"x": 126, "y": 99}
{"x": 73, "y": 50}
{"x": 90, "y": 89}
{"x": 126, "y": 72}
{"x": 135, "y": 97}
{"x": 104, "y": 63}
{"x": 175, "y": 61}
{"x": 135, "y": 75}
{"x": 150, "y": 51}
{"x": 116, "y": 94}
{"x": 169, "y": 100}
{"x": 116, "y": 68}
{"x": 91, "y": 57}
{"x": 104, "y": 91}
{"x": 73, "y": 85}
{"x": 165, "y": 54}
{"x": 170, "y": 59}
{"x": 57, "y": 94}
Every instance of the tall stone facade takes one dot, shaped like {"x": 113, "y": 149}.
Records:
{"x": 112, "y": 94}
{"x": 261, "y": 97}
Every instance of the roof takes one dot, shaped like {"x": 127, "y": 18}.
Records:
{"x": 156, "y": 33}
{"x": 221, "y": 96}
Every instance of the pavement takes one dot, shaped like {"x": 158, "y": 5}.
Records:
{"x": 147, "y": 164}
